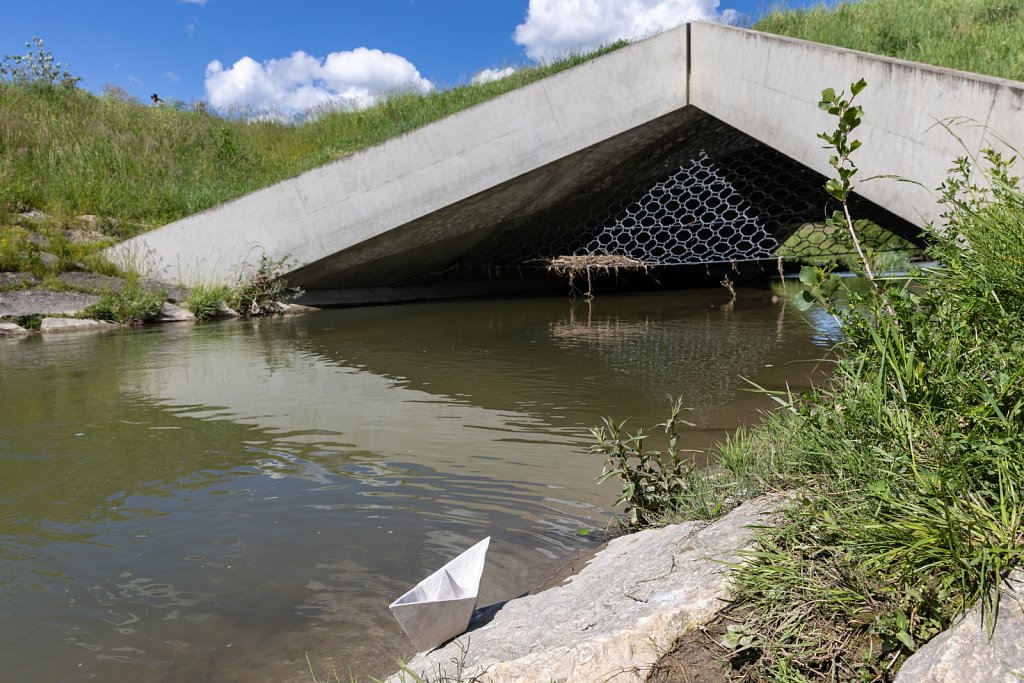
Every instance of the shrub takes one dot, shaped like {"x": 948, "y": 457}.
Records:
{"x": 37, "y": 67}
{"x": 133, "y": 304}
{"x": 261, "y": 294}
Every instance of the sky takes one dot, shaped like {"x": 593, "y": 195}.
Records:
{"x": 288, "y": 57}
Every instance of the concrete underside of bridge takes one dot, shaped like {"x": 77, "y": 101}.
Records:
{"x": 696, "y": 147}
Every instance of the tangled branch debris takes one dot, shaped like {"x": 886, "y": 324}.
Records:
{"x": 571, "y": 267}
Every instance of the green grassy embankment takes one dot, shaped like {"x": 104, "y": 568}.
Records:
{"x": 67, "y": 152}
{"x": 983, "y": 36}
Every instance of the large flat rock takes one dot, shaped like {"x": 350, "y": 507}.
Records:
{"x": 44, "y": 302}
{"x": 965, "y": 653}
{"x": 613, "y": 619}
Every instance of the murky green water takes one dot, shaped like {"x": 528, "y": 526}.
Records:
{"x": 212, "y": 502}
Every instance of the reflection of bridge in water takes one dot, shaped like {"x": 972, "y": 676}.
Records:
{"x": 693, "y": 148}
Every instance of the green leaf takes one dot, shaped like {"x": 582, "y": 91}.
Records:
{"x": 803, "y": 301}
{"x": 905, "y": 638}
{"x": 809, "y": 276}
{"x": 836, "y": 189}
{"x": 828, "y": 95}
{"x": 831, "y": 285}
{"x": 856, "y": 88}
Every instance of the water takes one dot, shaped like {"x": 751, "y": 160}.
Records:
{"x": 215, "y": 502}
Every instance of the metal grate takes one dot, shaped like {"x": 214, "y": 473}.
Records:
{"x": 717, "y": 196}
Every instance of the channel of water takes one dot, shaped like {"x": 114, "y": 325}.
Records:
{"x": 217, "y": 502}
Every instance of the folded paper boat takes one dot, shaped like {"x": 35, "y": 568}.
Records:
{"x": 439, "y": 607}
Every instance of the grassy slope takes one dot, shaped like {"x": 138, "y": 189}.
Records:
{"x": 983, "y": 36}
{"x": 68, "y": 152}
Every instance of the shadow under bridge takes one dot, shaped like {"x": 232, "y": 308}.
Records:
{"x": 686, "y": 195}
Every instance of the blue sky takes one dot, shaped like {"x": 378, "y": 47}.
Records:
{"x": 291, "y": 55}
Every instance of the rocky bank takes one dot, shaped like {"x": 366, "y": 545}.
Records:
{"x": 636, "y": 598}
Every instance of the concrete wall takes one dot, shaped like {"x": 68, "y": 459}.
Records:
{"x": 410, "y": 203}
{"x": 769, "y": 86}
{"x": 343, "y": 204}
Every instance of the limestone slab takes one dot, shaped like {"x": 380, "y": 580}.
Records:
{"x": 966, "y": 654}
{"x": 44, "y": 302}
{"x": 11, "y": 330}
{"x": 54, "y": 325}
{"x": 175, "y": 314}
{"x": 613, "y": 619}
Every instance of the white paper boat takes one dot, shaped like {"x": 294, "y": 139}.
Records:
{"x": 439, "y": 607}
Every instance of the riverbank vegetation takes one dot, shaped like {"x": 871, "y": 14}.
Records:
{"x": 69, "y": 152}
{"x": 905, "y": 468}
{"x": 983, "y": 36}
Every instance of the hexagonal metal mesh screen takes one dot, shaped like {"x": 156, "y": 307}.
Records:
{"x": 715, "y": 195}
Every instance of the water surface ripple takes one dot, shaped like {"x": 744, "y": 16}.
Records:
{"x": 212, "y": 502}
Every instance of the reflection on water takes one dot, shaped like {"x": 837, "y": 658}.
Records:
{"x": 212, "y": 502}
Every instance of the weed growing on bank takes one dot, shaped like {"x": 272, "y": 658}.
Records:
{"x": 207, "y": 302}
{"x": 262, "y": 293}
{"x": 905, "y": 467}
{"x": 133, "y": 304}
{"x": 983, "y": 36}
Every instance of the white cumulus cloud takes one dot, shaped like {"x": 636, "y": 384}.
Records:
{"x": 351, "y": 79}
{"x": 555, "y": 27}
{"x": 488, "y": 75}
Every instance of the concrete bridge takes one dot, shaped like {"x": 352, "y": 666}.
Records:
{"x": 696, "y": 146}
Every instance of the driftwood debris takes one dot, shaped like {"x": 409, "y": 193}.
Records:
{"x": 572, "y": 267}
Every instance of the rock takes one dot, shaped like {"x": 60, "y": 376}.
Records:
{"x": 33, "y": 216}
{"x": 44, "y": 302}
{"x": 52, "y": 325}
{"x": 174, "y": 294}
{"x": 173, "y": 314}
{"x": 49, "y": 260}
{"x": 613, "y": 619}
{"x": 294, "y": 309}
{"x": 178, "y": 295}
{"x": 12, "y": 330}
{"x": 964, "y": 653}
{"x": 225, "y": 311}
{"x": 19, "y": 279}
{"x": 80, "y": 236}
{"x": 35, "y": 239}
{"x": 92, "y": 282}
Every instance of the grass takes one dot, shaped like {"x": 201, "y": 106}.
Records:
{"x": 206, "y": 301}
{"x": 983, "y": 36}
{"x": 133, "y": 304}
{"x": 905, "y": 468}
{"x": 47, "y": 249}
{"x": 68, "y": 152}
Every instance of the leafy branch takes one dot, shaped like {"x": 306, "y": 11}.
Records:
{"x": 839, "y": 141}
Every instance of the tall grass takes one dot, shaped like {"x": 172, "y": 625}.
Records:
{"x": 907, "y": 466}
{"x": 983, "y": 36}
{"x": 69, "y": 152}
